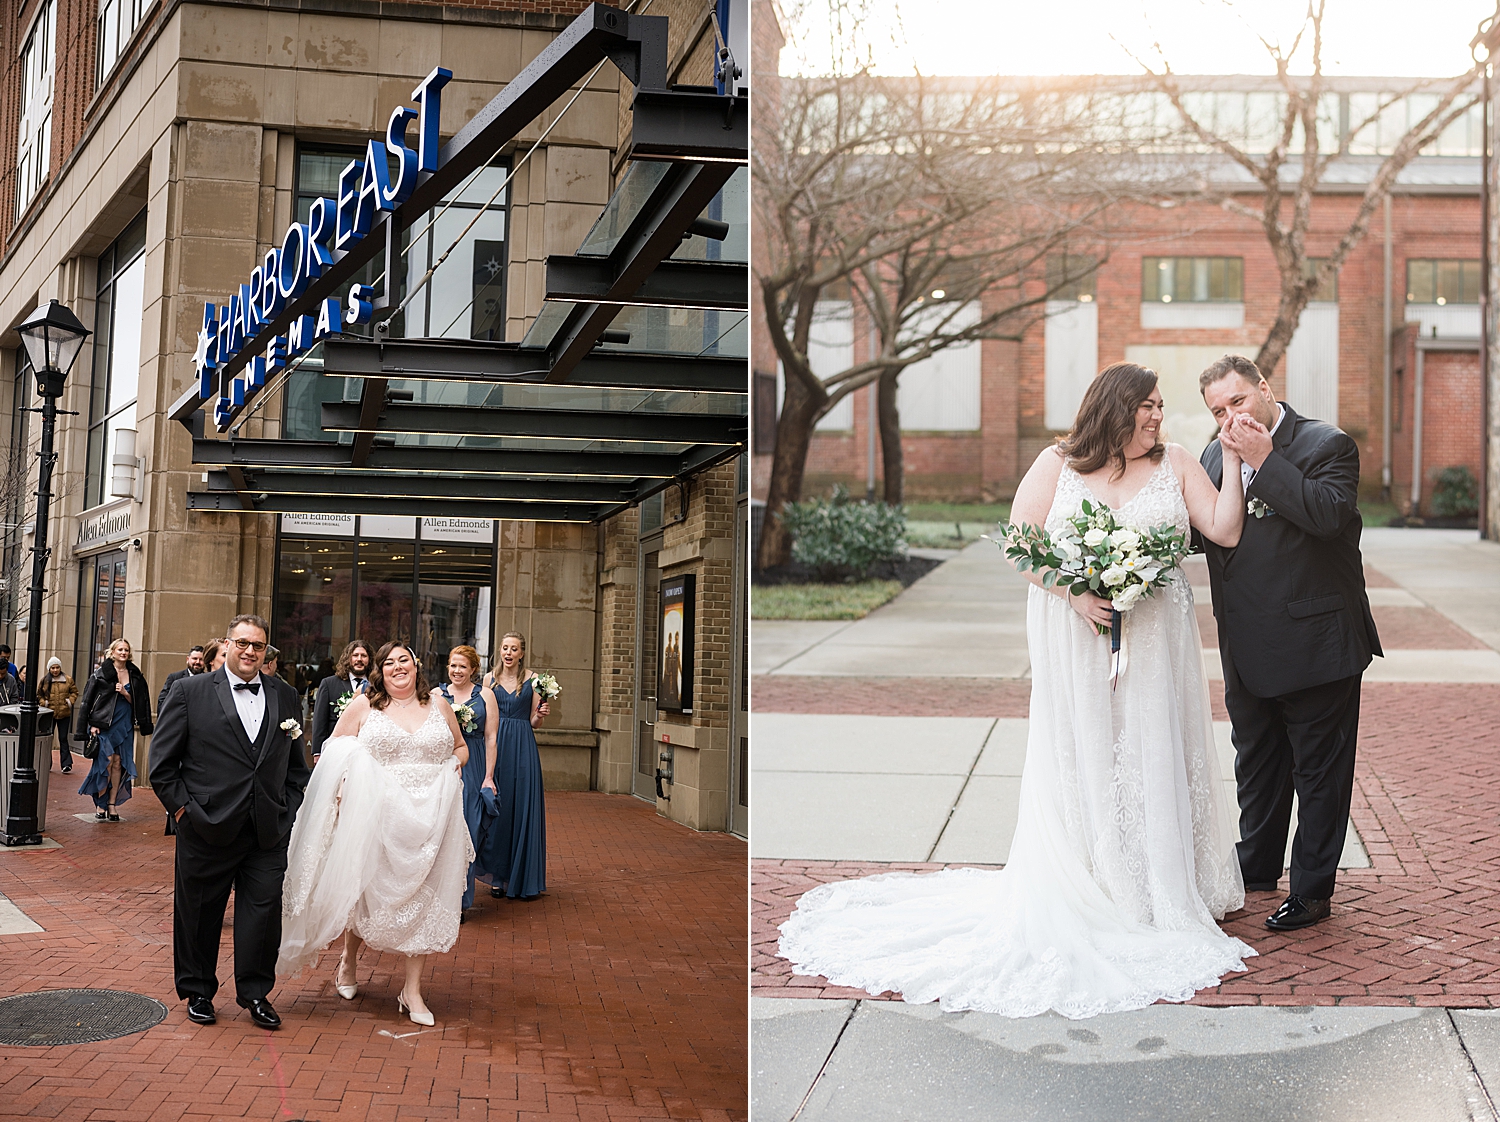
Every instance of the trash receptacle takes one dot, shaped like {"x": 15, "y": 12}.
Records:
{"x": 10, "y": 744}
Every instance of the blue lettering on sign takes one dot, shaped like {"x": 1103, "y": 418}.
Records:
{"x": 333, "y": 226}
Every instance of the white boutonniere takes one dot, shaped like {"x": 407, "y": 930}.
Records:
{"x": 466, "y": 719}
{"x": 1258, "y": 508}
{"x": 291, "y": 728}
{"x": 341, "y": 704}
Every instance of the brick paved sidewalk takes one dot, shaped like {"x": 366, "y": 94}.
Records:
{"x": 620, "y": 994}
{"x": 1422, "y": 927}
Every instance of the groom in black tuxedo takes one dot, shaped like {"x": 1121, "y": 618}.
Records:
{"x": 1295, "y": 633}
{"x": 232, "y": 777}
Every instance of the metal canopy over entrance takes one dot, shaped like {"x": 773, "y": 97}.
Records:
{"x": 632, "y": 378}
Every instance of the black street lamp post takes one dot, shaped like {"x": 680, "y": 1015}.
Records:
{"x": 53, "y": 337}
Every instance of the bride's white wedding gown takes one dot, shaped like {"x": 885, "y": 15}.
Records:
{"x": 380, "y": 844}
{"x": 1123, "y": 854}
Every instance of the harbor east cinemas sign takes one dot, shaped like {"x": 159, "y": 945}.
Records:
{"x": 332, "y": 226}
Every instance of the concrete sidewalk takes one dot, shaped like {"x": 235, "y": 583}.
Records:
{"x": 895, "y": 742}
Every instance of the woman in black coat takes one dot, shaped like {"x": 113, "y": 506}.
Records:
{"x": 115, "y": 703}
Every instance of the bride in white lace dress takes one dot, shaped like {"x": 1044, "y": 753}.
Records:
{"x": 380, "y": 848}
{"x": 1123, "y": 855}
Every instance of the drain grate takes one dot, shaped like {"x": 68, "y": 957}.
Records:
{"x": 76, "y": 1016}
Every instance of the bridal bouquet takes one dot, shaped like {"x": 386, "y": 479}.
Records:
{"x": 546, "y": 686}
{"x": 1094, "y": 552}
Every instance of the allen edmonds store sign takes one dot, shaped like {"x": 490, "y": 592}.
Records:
{"x": 106, "y": 527}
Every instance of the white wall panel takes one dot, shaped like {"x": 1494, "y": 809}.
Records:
{"x": 1312, "y": 364}
{"x": 941, "y": 393}
{"x": 1072, "y": 357}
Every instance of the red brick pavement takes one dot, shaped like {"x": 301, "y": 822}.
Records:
{"x": 1422, "y": 927}
{"x": 619, "y": 995}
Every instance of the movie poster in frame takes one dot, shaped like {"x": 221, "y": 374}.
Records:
{"x": 674, "y": 690}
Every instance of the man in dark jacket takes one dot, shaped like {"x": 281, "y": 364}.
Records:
{"x": 350, "y": 676}
{"x": 194, "y": 666}
{"x": 228, "y": 763}
{"x": 1295, "y": 633}
{"x": 10, "y": 681}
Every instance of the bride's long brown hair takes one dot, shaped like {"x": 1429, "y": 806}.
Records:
{"x": 1106, "y": 419}
{"x": 376, "y": 694}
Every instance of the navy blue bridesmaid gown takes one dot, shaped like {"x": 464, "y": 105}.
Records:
{"x": 473, "y": 776}
{"x": 515, "y": 846}
{"x": 117, "y": 740}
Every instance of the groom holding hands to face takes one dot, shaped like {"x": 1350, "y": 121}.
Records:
{"x": 1295, "y": 633}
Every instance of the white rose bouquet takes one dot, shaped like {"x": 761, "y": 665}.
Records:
{"x": 1094, "y": 552}
{"x": 546, "y": 686}
{"x": 467, "y": 721}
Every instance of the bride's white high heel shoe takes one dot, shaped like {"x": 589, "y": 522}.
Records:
{"x": 416, "y": 1018}
{"x": 348, "y": 993}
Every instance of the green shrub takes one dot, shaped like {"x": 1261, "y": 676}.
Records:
{"x": 1456, "y": 494}
{"x": 840, "y": 537}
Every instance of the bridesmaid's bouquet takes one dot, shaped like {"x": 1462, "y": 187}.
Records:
{"x": 546, "y": 686}
{"x": 467, "y": 721}
{"x": 1094, "y": 552}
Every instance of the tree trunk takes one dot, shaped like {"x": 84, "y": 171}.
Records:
{"x": 890, "y": 437}
{"x": 794, "y": 429}
{"x": 1288, "y": 313}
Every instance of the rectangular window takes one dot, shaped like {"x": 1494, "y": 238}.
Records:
{"x": 34, "y": 136}
{"x": 118, "y": 20}
{"x": 117, "y": 351}
{"x": 1192, "y": 280}
{"x": 1328, "y": 291}
{"x": 1442, "y": 282}
{"x": 1071, "y": 277}
{"x": 465, "y": 299}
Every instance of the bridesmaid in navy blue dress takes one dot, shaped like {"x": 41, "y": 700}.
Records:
{"x": 109, "y": 780}
{"x": 516, "y": 845}
{"x": 463, "y": 665}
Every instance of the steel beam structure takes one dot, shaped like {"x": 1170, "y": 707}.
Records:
{"x": 569, "y": 424}
{"x": 457, "y": 360}
{"x": 714, "y": 285}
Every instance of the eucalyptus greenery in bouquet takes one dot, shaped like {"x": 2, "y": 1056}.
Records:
{"x": 467, "y": 721}
{"x": 546, "y": 686}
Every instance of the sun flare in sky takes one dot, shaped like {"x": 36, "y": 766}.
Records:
{"x": 1026, "y": 37}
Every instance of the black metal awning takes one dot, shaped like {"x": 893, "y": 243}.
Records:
{"x": 633, "y": 377}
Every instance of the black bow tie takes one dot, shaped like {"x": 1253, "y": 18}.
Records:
{"x": 253, "y": 687}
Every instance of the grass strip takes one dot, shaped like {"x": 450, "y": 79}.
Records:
{"x": 820, "y": 601}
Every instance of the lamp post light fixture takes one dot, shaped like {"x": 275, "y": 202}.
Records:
{"x": 53, "y": 336}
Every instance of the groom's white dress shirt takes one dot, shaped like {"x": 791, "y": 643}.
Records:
{"x": 251, "y": 705}
{"x": 1247, "y": 473}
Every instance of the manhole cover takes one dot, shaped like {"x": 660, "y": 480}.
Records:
{"x": 76, "y": 1016}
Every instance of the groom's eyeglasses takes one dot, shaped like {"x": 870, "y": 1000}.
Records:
{"x": 248, "y": 645}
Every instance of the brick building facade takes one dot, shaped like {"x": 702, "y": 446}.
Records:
{"x": 1018, "y": 397}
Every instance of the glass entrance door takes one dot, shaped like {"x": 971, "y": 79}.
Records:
{"x": 109, "y": 605}
{"x": 454, "y": 585}
{"x": 739, "y": 710}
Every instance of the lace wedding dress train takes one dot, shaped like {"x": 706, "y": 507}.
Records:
{"x": 1123, "y": 855}
{"x": 380, "y": 845}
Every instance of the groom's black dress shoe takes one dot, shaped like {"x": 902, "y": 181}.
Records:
{"x": 201, "y": 1011}
{"x": 1297, "y": 911}
{"x": 261, "y": 1012}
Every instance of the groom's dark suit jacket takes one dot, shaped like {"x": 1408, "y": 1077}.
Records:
{"x": 1290, "y": 598}
{"x": 201, "y": 759}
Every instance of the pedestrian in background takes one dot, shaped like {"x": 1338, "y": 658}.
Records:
{"x": 193, "y": 665}
{"x": 58, "y": 692}
{"x": 214, "y": 654}
{"x": 115, "y": 703}
{"x": 10, "y": 681}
